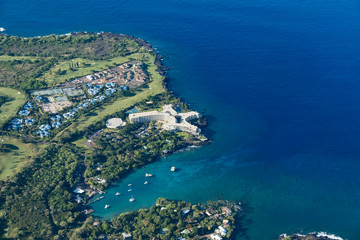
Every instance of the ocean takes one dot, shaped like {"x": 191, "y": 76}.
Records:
{"x": 279, "y": 82}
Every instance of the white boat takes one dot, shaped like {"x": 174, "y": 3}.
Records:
{"x": 2, "y": 29}
{"x": 130, "y": 190}
{"x": 132, "y": 199}
{"x": 106, "y": 206}
{"x": 173, "y": 169}
{"x": 145, "y": 182}
{"x": 148, "y": 175}
{"x": 129, "y": 184}
{"x": 117, "y": 194}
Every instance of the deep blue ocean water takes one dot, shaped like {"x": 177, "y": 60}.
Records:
{"x": 280, "y": 84}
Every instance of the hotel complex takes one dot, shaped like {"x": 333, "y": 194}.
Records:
{"x": 171, "y": 119}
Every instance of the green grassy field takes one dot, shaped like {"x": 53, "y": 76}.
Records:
{"x": 11, "y": 162}
{"x": 9, "y": 109}
{"x": 93, "y": 116}
{"x": 86, "y": 67}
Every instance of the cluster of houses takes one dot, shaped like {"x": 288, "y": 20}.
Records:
{"x": 57, "y": 119}
{"x": 99, "y": 86}
{"x": 220, "y": 232}
{"x": 26, "y": 111}
{"x": 93, "y": 89}
{"x": 17, "y": 123}
{"x": 130, "y": 73}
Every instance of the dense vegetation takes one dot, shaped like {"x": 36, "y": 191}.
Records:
{"x": 132, "y": 147}
{"x": 166, "y": 220}
{"x": 38, "y": 202}
{"x": 23, "y": 73}
{"x": 87, "y": 45}
{"x": 24, "y": 60}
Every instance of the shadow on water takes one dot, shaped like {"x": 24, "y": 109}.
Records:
{"x": 208, "y": 131}
{"x": 242, "y": 219}
{"x": 244, "y": 222}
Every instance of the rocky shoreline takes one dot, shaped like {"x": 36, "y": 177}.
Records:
{"x": 310, "y": 236}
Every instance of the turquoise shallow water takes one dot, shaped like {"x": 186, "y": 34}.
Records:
{"x": 279, "y": 81}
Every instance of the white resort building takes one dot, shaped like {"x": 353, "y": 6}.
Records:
{"x": 171, "y": 119}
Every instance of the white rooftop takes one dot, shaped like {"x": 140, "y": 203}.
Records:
{"x": 170, "y": 118}
{"x": 78, "y": 190}
{"x": 115, "y": 122}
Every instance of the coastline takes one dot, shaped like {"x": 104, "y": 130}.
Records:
{"x": 85, "y": 176}
{"x": 162, "y": 71}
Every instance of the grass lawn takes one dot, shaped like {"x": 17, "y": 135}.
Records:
{"x": 97, "y": 114}
{"x": 80, "y": 144}
{"x": 9, "y": 109}
{"x": 11, "y": 162}
{"x": 89, "y": 67}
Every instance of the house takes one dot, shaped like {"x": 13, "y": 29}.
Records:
{"x": 184, "y": 212}
{"x": 24, "y": 113}
{"x": 215, "y": 237}
{"x": 78, "y": 190}
{"x": 29, "y": 121}
{"x": 17, "y": 121}
{"x": 126, "y": 235}
{"x": 221, "y": 230}
{"x": 56, "y": 124}
{"x": 43, "y": 133}
{"x": 124, "y": 87}
{"x": 110, "y": 84}
{"x": 28, "y": 106}
{"x": 78, "y": 198}
{"x": 44, "y": 127}
{"x": 185, "y": 231}
{"x": 227, "y": 211}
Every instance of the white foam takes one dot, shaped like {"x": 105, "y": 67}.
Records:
{"x": 2, "y": 29}
{"x": 328, "y": 235}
